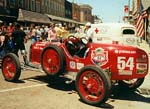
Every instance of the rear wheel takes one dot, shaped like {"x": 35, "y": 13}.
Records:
{"x": 93, "y": 85}
{"x": 53, "y": 60}
{"x": 11, "y": 67}
{"x": 131, "y": 84}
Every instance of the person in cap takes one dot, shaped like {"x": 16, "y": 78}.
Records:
{"x": 10, "y": 29}
{"x": 52, "y": 35}
{"x": 88, "y": 31}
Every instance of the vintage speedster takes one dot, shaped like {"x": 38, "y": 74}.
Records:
{"x": 96, "y": 66}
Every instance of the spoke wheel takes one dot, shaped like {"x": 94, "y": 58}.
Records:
{"x": 52, "y": 60}
{"x": 93, "y": 85}
{"x": 11, "y": 67}
{"x": 131, "y": 84}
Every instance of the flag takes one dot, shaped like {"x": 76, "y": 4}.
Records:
{"x": 140, "y": 20}
{"x": 144, "y": 14}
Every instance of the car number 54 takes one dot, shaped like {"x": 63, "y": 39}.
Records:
{"x": 125, "y": 63}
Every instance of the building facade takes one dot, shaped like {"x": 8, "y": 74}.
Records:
{"x": 76, "y": 12}
{"x": 31, "y": 12}
{"x": 86, "y": 13}
{"x": 97, "y": 19}
{"x": 8, "y": 11}
{"x": 54, "y": 7}
{"x": 68, "y": 9}
{"x": 59, "y": 10}
{"x": 30, "y": 5}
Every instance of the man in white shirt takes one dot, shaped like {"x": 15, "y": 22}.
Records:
{"x": 89, "y": 32}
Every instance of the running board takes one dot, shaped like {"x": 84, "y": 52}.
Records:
{"x": 31, "y": 66}
{"x": 69, "y": 75}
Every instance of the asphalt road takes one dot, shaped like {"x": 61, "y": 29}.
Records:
{"x": 34, "y": 90}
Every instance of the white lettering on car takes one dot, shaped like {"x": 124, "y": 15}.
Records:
{"x": 124, "y": 63}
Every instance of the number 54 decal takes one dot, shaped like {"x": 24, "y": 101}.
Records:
{"x": 125, "y": 62}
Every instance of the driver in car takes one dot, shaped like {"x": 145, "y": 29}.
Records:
{"x": 77, "y": 46}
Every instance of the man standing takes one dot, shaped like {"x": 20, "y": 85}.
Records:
{"x": 19, "y": 37}
{"x": 88, "y": 31}
{"x": 52, "y": 35}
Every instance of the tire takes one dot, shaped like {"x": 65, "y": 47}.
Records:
{"x": 131, "y": 84}
{"x": 53, "y": 60}
{"x": 93, "y": 85}
{"x": 11, "y": 67}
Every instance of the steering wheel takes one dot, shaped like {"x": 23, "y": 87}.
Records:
{"x": 84, "y": 40}
{"x": 73, "y": 43}
{"x": 73, "y": 39}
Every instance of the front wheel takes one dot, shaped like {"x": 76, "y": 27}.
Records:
{"x": 53, "y": 60}
{"x": 93, "y": 85}
{"x": 11, "y": 67}
{"x": 131, "y": 84}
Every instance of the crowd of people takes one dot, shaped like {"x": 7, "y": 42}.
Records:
{"x": 12, "y": 39}
{"x": 14, "y": 36}
{"x": 47, "y": 33}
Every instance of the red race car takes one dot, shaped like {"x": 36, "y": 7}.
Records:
{"x": 95, "y": 66}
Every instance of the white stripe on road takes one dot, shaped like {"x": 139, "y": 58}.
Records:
{"x": 25, "y": 87}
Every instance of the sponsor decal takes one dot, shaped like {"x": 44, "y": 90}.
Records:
{"x": 125, "y": 52}
{"x": 72, "y": 65}
{"x": 41, "y": 44}
{"x": 125, "y": 72}
{"x": 99, "y": 56}
{"x": 80, "y": 65}
{"x": 38, "y": 47}
{"x": 130, "y": 40}
{"x": 141, "y": 68}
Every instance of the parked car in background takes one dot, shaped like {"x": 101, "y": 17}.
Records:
{"x": 118, "y": 33}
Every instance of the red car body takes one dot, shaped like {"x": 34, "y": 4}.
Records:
{"x": 123, "y": 62}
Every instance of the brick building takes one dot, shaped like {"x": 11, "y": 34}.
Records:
{"x": 44, "y": 11}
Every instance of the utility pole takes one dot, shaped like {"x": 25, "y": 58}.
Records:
{"x": 129, "y": 11}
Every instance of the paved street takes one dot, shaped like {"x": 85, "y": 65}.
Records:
{"x": 35, "y": 91}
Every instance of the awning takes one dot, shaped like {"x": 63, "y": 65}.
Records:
{"x": 61, "y": 19}
{"x": 29, "y": 16}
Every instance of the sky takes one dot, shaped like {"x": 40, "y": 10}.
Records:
{"x": 107, "y": 10}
